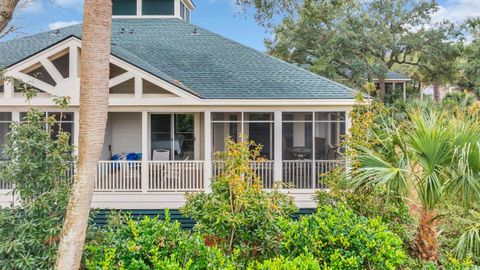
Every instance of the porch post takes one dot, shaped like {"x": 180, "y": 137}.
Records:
{"x": 207, "y": 165}
{"x": 144, "y": 151}
{"x": 404, "y": 91}
{"x": 277, "y": 158}
{"x": 8, "y": 89}
{"x": 348, "y": 125}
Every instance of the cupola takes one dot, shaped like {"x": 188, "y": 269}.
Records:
{"x": 153, "y": 9}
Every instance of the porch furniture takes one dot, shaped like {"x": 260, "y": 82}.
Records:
{"x": 301, "y": 152}
{"x": 161, "y": 154}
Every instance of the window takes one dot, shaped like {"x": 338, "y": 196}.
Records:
{"x": 172, "y": 136}
{"x": 124, "y": 7}
{"x": 5, "y": 121}
{"x": 182, "y": 10}
{"x": 257, "y": 126}
{"x": 65, "y": 121}
{"x": 158, "y": 7}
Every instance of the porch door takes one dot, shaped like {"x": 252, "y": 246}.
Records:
{"x": 172, "y": 136}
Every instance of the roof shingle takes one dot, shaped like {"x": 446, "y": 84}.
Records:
{"x": 207, "y": 64}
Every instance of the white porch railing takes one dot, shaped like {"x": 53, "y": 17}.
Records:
{"x": 264, "y": 169}
{"x": 119, "y": 175}
{"x": 182, "y": 176}
{"x": 175, "y": 175}
{"x": 306, "y": 174}
{"x": 297, "y": 174}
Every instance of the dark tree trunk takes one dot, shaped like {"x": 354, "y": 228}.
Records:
{"x": 436, "y": 90}
{"x": 382, "y": 90}
{"x": 426, "y": 241}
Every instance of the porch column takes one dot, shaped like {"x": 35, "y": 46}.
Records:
{"x": 348, "y": 125}
{"x": 8, "y": 89}
{"x": 144, "y": 151}
{"x": 277, "y": 163}
{"x": 207, "y": 165}
{"x": 404, "y": 88}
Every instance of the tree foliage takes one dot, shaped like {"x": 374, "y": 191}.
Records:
{"x": 427, "y": 158}
{"x": 355, "y": 40}
{"x": 238, "y": 214}
{"x": 39, "y": 167}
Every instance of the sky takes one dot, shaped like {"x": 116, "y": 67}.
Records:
{"x": 220, "y": 16}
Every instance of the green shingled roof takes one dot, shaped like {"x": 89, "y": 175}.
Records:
{"x": 207, "y": 64}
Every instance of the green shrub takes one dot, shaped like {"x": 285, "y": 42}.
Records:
{"x": 39, "y": 167}
{"x": 374, "y": 204}
{"x": 151, "y": 243}
{"x": 302, "y": 262}
{"x": 341, "y": 239}
{"x": 238, "y": 214}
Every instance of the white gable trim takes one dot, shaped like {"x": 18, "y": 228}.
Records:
{"x": 71, "y": 86}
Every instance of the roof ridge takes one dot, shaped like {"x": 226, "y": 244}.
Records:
{"x": 272, "y": 57}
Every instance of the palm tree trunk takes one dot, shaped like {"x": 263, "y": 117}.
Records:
{"x": 94, "y": 90}
{"x": 426, "y": 239}
{"x": 436, "y": 90}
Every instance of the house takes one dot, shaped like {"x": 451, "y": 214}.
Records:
{"x": 177, "y": 91}
{"x": 394, "y": 82}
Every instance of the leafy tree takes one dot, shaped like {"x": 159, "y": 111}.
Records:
{"x": 350, "y": 39}
{"x": 471, "y": 57}
{"x": 40, "y": 167}
{"x": 429, "y": 157}
{"x": 238, "y": 214}
{"x": 438, "y": 62}
{"x": 94, "y": 90}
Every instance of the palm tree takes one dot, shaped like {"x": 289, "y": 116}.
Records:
{"x": 433, "y": 155}
{"x": 94, "y": 77}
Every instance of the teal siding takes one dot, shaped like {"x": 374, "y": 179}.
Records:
{"x": 100, "y": 218}
{"x": 124, "y": 7}
{"x": 158, "y": 7}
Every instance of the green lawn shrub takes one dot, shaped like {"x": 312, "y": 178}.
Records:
{"x": 151, "y": 243}
{"x": 342, "y": 239}
{"x": 302, "y": 262}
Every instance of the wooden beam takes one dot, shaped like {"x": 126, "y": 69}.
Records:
{"x": 138, "y": 87}
{"x": 35, "y": 82}
{"x": 73, "y": 61}
{"x": 52, "y": 70}
{"x": 120, "y": 79}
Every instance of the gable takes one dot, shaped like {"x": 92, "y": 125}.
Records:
{"x": 55, "y": 72}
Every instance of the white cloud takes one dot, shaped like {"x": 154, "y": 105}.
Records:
{"x": 30, "y": 6}
{"x": 61, "y": 24}
{"x": 457, "y": 10}
{"x": 75, "y": 4}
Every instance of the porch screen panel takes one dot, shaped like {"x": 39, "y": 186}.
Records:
{"x": 184, "y": 137}
{"x": 297, "y": 149}
{"x": 258, "y": 127}
{"x": 64, "y": 121}
{"x": 225, "y": 126}
{"x": 5, "y": 121}
{"x": 329, "y": 131}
